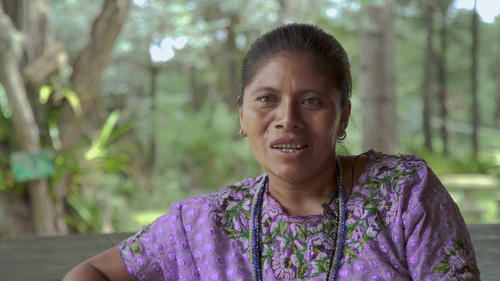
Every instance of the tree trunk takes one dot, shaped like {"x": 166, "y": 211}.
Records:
{"x": 27, "y": 132}
{"x": 85, "y": 77}
{"x": 496, "y": 116}
{"x": 153, "y": 72}
{"x": 475, "y": 106}
{"x": 442, "y": 80}
{"x": 377, "y": 79}
{"x": 232, "y": 57}
{"x": 15, "y": 218}
{"x": 429, "y": 58}
{"x": 88, "y": 67}
{"x": 282, "y": 11}
{"x": 196, "y": 95}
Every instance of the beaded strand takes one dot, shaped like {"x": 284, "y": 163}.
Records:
{"x": 255, "y": 226}
{"x": 339, "y": 222}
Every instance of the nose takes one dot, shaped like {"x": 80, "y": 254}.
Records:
{"x": 288, "y": 116}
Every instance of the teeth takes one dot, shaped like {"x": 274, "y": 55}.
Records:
{"x": 288, "y": 146}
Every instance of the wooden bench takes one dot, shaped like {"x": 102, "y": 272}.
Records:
{"x": 49, "y": 258}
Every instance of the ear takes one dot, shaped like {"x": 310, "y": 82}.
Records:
{"x": 344, "y": 116}
{"x": 240, "y": 111}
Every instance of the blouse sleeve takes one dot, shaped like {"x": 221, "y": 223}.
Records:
{"x": 438, "y": 245}
{"x": 147, "y": 255}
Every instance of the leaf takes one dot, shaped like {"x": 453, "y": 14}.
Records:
{"x": 442, "y": 267}
{"x": 231, "y": 233}
{"x": 44, "y": 93}
{"x": 81, "y": 209}
{"x": 459, "y": 243}
{"x": 380, "y": 221}
{"x": 302, "y": 233}
{"x": 348, "y": 251}
{"x": 282, "y": 228}
{"x": 97, "y": 148}
{"x": 303, "y": 268}
{"x": 323, "y": 266}
{"x": 328, "y": 226}
{"x": 367, "y": 236}
{"x": 73, "y": 99}
{"x": 135, "y": 248}
{"x": 124, "y": 246}
{"x": 268, "y": 239}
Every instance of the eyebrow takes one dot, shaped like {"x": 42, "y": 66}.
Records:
{"x": 265, "y": 89}
{"x": 273, "y": 90}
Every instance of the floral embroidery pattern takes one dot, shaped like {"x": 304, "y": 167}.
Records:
{"x": 458, "y": 262}
{"x": 301, "y": 249}
{"x": 233, "y": 211}
{"x": 295, "y": 247}
{"x": 133, "y": 244}
{"x": 294, "y": 250}
{"x": 378, "y": 194}
{"x": 290, "y": 249}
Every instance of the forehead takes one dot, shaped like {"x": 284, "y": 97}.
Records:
{"x": 297, "y": 70}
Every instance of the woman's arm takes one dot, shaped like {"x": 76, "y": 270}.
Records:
{"x": 105, "y": 266}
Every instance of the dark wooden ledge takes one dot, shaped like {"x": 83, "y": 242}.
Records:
{"x": 49, "y": 258}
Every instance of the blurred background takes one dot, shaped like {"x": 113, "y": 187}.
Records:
{"x": 112, "y": 109}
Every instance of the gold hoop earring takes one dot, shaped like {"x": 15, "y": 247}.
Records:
{"x": 342, "y": 136}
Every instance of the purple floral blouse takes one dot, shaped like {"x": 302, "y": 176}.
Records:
{"x": 401, "y": 225}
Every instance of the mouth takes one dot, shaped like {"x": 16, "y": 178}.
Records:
{"x": 289, "y": 147}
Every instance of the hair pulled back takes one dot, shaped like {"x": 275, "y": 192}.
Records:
{"x": 326, "y": 52}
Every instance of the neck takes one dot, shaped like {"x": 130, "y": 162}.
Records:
{"x": 304, "y": 198}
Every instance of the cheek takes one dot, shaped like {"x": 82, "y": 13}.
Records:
{"x": 327, "y": 129}
{"x": 326, "y": 123}
{"x": 254, "y": 120}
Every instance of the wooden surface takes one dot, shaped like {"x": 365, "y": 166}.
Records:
{"x": 49, "y": 258}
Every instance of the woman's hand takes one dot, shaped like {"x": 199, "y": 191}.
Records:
{"x": 105, "y": 266}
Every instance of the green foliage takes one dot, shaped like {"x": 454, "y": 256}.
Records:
{"x": 99, "y": 178}
{"x": 200, "y": 151}
{"x": 440, "y": 164}
{"x": 193, "y": 110}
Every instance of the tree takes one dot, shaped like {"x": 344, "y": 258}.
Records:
{"x": 377, "y": 79}
{"x": 496, "y": 114}
{"x": 475, "y": 105}
{"x": 30, "y": 18}
{"x": 442, "y": 73}
{"x": 85, "y": 78}
{"x": 26, "y": 128}
{"x": 88, "y": 68}
{"x": 429, "y": 57}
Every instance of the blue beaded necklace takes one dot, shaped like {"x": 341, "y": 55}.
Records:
{"x": 339, "y": 218}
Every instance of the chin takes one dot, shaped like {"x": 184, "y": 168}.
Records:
{"x": 293, "y": 176}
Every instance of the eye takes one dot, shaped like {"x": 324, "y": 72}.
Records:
{"x": 264, "y": 99}
{"x": 311, "y": 101}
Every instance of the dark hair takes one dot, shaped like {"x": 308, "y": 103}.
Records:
{"x": 325, "y": 50}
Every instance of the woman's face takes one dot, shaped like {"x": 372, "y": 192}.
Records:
{"x": 292, "y": 115}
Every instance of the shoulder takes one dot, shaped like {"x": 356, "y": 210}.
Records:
{"x": 390, "y": 184}
{"x": 221, "y": 199}
{"x": 183, "y": 217}
{"x": 377, "y": 203}
{"x": 234, "y": 201}
{"x": 384, "y": 164}
{"x": 395, "y": 172}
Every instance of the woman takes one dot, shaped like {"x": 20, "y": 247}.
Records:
{"x": 314, "y": 215}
